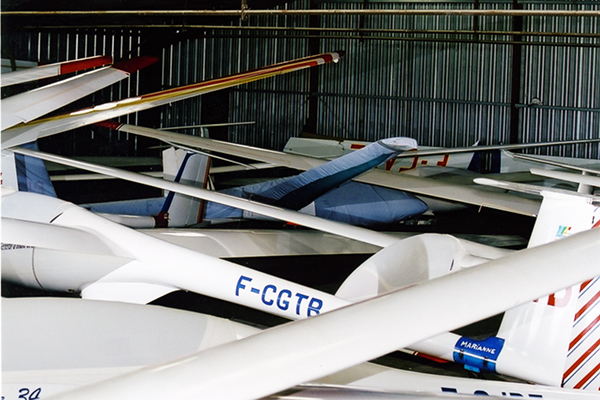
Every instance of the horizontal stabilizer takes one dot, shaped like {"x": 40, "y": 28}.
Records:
{"x": 471, "y": 149}
{"x": 337, "y": 147}
{"x": 273, "y": 157}
{"x": 569, "y": 177}
{"x": 554, "y": 163}
{"x": 535, "y": 190}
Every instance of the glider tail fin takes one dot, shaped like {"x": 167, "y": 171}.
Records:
{"x": 25, "y": 173}
{"x": 300, "y": 190}
{"x": 190, "y": 169}
{"x": 568, "y": 322}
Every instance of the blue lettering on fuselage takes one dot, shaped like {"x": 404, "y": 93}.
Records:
{"x": 271, "y": 296}
{"x": 484, "y": 393}
{"x": 282, "y": 303}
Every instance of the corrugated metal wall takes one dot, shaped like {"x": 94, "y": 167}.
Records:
{"x": 275, "y": 105}
{"x": 445, "y": 92}
{"x": 565, "y": 80}
{"x": 447, "y": 89}
{"x": 440, "y": 93}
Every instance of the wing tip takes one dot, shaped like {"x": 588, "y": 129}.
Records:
{"x": 84, "y": 63}
{"x": 340, "y": 53}
{"x": 135, "y": 64}
{"x": 110, "y": 125}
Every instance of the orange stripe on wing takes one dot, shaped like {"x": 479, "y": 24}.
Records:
{"x": 277, "y": 68}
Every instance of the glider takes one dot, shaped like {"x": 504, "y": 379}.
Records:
{"x": 141, "y": 283}
{"x": 122, "y": 264}
{"x": 443, "y": 192}
{"x": 325, "y": 191}
{"x": 34, "y": 130}
{"x": 310, "y": 358}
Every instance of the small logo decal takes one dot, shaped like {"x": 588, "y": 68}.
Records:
{"x": 563, "y": 231}
{"x": 478, "y": 355}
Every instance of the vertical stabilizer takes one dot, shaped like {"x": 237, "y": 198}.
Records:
{"x": 190, "y": 169}
{"x": 582, "y": 370}
{"x": 562, "y": 215}
{"x": 26, "y": 174}
{"x": 556, "y": 339}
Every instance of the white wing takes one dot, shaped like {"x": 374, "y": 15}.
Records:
{"x": 27, "y": 106}
{"x": 301, "y": 351}
{"x": 467, "y": 194}
{"x": 352, "y": 232}
{"x": 46, "y": 71}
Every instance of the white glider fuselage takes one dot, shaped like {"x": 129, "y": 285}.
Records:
{"x": 132, "y": 266}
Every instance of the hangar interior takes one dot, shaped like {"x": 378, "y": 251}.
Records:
{"x": 409, "y": 69}
{"x": 444, "y": 80}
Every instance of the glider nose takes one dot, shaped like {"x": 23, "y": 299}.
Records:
{"x": 400, "y": 143}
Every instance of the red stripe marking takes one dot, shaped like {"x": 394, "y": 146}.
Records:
{"x": 110, "y": 125}
{"x": 291, "y": 65}
{"x": 415, "y": 161}
{"x": 587, "y": 377}
{"x": 213, "y": 82}
{"x": 583, "y": 332}
{"x": 584, "y": 285}
{"x": 581, "y": 359}
{"x": 86, "y": 63}
{"x": 432, "y": 358}
{"x": 444, "y": 161}
{"x": 135, "y": 64}
{"x": 587, "y": 305}
{"x": 277, "y": 69}
{"x": 204, "y": 203}
{"x": 389, "y": 164}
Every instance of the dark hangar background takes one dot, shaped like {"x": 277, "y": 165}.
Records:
{"x": 443, "y": 80}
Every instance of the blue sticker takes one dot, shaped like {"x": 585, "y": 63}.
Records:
{"x": 478, "y": 355}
